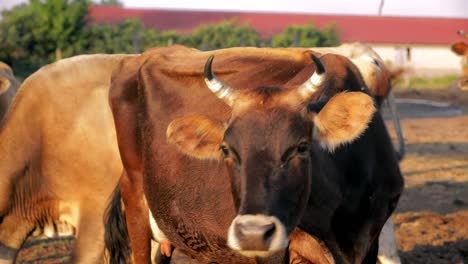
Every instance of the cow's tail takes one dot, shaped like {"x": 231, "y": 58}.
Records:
{"x": 118, "y": 250}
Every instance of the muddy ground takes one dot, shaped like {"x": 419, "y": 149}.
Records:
{"x": 432, "y": 217}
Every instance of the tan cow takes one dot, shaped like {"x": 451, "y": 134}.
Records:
{"x": 59, "y": 158}
{"x": 8, "y": 87}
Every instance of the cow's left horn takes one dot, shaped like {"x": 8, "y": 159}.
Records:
{"x": 307, "y": 89}
{"x": 221, "y": 90}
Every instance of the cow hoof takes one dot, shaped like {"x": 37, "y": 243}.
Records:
{"x": 64, "y": 229}
{"x": 49, "y": 230}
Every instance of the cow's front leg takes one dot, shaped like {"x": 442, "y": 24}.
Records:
{"x": 136, "y": 216}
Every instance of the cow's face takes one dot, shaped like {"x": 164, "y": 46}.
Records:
{"x": 266, "y": 148}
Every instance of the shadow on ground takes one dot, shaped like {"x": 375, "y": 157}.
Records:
{"x": 449, "y": 253}
{"x": 441, "y": 197}
{"x": 50, "y": 251}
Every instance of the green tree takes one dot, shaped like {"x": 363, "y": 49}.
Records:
{"x": 110, "y": 3}
{"x": 41, "y": 32}
{"x": 118, "y": 38}
{"x": 306, "y": 36}
{"x": 17, "y": 43}
{"x": 59, "y": 25}
{"x": 129, "y": 36}
{"x": 223, "y": 35}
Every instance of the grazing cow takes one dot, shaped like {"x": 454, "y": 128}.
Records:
{"x": 59, "y": 153}
{"x": 461, "y": 48}
{"x": 343, "y": 203}
{"x": 8, "y": 87}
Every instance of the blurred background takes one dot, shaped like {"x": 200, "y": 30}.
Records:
{"x": 414, "y": 38}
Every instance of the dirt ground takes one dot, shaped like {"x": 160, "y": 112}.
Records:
{"x": 432, "y": 216}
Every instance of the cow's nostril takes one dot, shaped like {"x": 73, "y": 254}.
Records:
{"x": 269, "y": 232}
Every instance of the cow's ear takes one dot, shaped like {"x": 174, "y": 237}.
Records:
{"x": 343, "y": 118}
{"x": 196, "y": 136}
{"x": 4, "y": 84}
{"x": 460, "y": 48}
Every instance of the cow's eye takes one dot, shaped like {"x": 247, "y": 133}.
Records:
{"x": 225, "y": 150}
{"x": 302, "y": 148}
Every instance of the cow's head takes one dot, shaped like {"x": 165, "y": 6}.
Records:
{"x": 460, "y": 48}
{"x": 5, "y": 82}
{"x": 266, "y": 146}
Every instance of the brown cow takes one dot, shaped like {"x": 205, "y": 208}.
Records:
{"x": 59, "y": 153}
{"x": 461, "y": 48}
{"x": 8, "y": 87}
{"x": 162, "y": 81}
{"x": 126, "y": 77}
{"x": 376, "y": 75}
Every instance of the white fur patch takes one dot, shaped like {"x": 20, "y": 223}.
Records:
{"x": 317, "y": 79}
{"x": 388, "y": 252}
{"x": 158, "y": 235}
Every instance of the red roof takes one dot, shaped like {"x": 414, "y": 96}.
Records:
{"x": 369, "y": 29}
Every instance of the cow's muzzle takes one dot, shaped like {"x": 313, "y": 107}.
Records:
{"x": 257, "y": 234}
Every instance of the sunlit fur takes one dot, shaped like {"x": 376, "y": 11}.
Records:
{"x": 344, "y": 118}
{"x": 305, "y": 248}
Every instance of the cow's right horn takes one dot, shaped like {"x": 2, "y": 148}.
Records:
{"x": 221, "y": 90}
{"x": 307, "y": 89}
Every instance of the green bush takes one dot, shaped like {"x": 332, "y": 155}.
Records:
{"x": 418, "y": 82}
{"x": 306, "y": 36}
{"x": 223, "y": 35}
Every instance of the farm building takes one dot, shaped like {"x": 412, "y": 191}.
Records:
{"x": 419, "y": 44}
